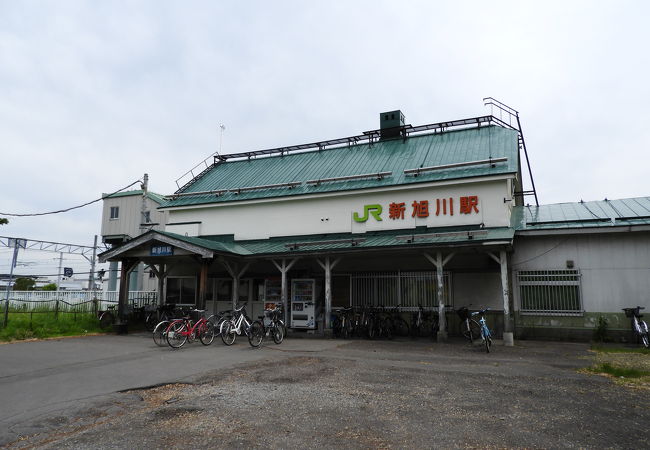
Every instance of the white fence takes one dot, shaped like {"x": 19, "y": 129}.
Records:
{"x": 74, "y": 300}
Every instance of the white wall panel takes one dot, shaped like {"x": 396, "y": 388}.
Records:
{"x": 615, "y": 267}
{"x": 334, "y": 213}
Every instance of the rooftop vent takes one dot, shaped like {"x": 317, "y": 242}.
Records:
{"x": 390, "y": 123}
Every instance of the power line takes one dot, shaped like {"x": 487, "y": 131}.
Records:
{"x": 33, "y": 275}
{"x": 69, "y": 209}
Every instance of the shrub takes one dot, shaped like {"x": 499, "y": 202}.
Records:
{"x": 600, "y": 332}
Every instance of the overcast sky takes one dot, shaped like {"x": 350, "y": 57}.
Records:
{"x": 95, "y": 94}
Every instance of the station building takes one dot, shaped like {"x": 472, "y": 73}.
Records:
{"x": 433, "y": 215}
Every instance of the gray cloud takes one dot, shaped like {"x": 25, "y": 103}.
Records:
{"x": 94, "y": 94}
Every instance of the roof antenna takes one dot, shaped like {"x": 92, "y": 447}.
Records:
{"x": 222, "y": 127}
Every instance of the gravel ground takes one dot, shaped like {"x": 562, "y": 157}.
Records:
{"x": 363, "y": 394}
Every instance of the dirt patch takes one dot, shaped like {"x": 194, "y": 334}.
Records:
{"x": 380, "y": 396}
{"x": 634, "y": 361}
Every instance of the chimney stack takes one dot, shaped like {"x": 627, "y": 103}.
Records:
{"x": 390, "y": 124}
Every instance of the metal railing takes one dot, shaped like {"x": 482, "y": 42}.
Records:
{"x": 550, "y": 292}
{"x": 408, "y": 289}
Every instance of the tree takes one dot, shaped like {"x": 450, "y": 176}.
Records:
{"x": 49, "y": 287}
{"x": 3, "y": 221}
{"x": 24, "y": 284}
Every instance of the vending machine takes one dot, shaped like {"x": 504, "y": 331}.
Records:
{"x": 303, "y": 303}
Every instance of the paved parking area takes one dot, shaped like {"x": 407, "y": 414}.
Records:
{"x": 310, "y": 393}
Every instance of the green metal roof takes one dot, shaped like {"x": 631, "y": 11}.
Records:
{"x": 603, "y": 213}
{"x": 151, "y": 195}
{"x": 397, "y": 155}
{"x": 410, "y": 238}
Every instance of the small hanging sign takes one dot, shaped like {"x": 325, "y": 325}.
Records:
{"x": 162, "y": 250}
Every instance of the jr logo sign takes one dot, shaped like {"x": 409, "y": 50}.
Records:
{"x": 368, "y": 210}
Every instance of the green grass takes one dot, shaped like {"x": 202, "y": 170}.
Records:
{"x": 42, "y": 325}
{"x": 617, "y": 371}
{"x": 642, "y": 350}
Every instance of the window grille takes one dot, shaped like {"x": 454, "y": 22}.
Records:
{"x": 408, "y": 289}
{"x": 554, "y": 292}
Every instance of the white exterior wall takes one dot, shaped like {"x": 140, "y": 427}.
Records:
{"x": 480, "y": 290}
{"x": 333, "y": 213}
{"x": 615, "y": 267}
{"x": 130, "y": 215}
{"x": 128, "y": 224}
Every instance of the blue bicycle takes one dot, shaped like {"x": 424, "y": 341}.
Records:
{"x": 472, "y": 329}
{"x": 486, "y": 336}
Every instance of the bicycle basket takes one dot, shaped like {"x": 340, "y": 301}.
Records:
{"x": 631, "y": 312}
{"x": 463, "y": 313}
{"x": 196, "y": 314}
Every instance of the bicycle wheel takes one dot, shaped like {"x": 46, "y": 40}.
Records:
{"x": 400, "y": 327}
{"x": 371, "y": 328}
{"x": 426, "y": 329}
{"x": 256, "y": 334}
{"x": 106, "y": 320}
{"x": 645, "y": 341}
{"x": 176, "y": 334}
{"x": 487, "y": 340}
{"x": 160, "y": 333}
{"x": 206, "y": 333}
{"x": 346, "y": 328}
{"x": 431, "y": 328}
{"x": 470, "y": 329}
{"x": 387, "y": 328}
{"x": 228, "y": 334}
{"x": 283, "y": 327}
{"x": 336, "y": 327}
{"x": 277, "y": 333}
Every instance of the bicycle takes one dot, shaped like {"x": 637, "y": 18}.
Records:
{"x": 486, "y": 335}
{"x": 342, "y": 326}
{"x": 259, "y": 330}
{"x": 160, "y": 333}
{"x": 469, "y": 327}
{"x": 107, "y": 317}
{"x": 424, "y": 323}
{"x": 400, "y": 326}
{"x": 380, "y": 324}
{"x": 218, "y": 319}
{"x": 156, "y": 314}
{"x": 639, "y": 327}
{"x": 238, "y": 324}
{"x": 182, "y": 330}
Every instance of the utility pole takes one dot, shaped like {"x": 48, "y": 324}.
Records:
{"x": 58, "y": 281}
{"x": 91, "y": 277}
{"x": 135, "y": 278}
{"x": 17, "y": 244}
{"x": 143, "y": 205}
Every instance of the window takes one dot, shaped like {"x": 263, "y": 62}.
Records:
{"x": 181, "y": 290}
{"x": 115, "y": 212}
{"x": 550, "y": 292}
{"x": 146, "y": 217}
{"x": 224, "y": 290}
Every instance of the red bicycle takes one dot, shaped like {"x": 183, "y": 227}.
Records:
{"x": 182, "y": 330}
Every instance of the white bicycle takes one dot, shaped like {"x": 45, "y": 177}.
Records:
{"x": 639, "y": 327}
{"x": 239, "y": 324}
